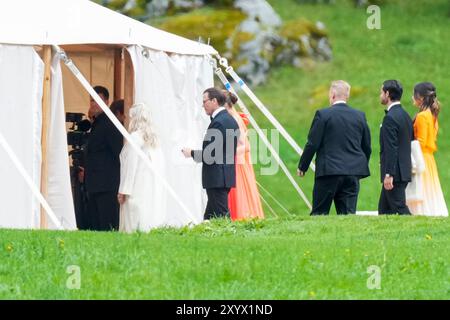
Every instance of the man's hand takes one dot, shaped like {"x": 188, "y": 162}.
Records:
{"x": 81, "y": 175}
{"x": 388, "y": 183}
{"x": 121, "y": 198}
{"x": 300, "y": 173}
{"x": 186, "y": 152}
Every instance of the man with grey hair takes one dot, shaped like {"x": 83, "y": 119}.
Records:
{"x": 340, "y": 138}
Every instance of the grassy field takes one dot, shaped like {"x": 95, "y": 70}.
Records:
{"x": 290, "y": 257}
{"x": 300, "y": 258}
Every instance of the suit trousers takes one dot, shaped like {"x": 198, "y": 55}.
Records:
{"x": 342, "y": 189}
{"x": 103, "y": 211}
{"x": 217, "y": 205}
{"x": 393, "y": 201}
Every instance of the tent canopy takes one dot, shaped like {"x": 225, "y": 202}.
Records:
{"x": 105, "y": 45}
{"x": 64, "y": 22}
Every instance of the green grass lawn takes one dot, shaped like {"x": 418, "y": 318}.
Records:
{"x": 299, "y": 258}
{"x": 290, "y": 257}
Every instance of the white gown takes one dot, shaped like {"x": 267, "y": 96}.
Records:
{"x": 144, "y": 208}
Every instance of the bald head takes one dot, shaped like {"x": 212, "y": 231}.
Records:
{"x": 339, "y": 90}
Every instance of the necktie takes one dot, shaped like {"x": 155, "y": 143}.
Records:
{"x": 385, "y": 111}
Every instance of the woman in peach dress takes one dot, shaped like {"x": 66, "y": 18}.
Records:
{"x": 425, "y": 131}
{"x": 243, "y": 200}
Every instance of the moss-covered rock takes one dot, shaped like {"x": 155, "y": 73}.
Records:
{"x": 294, "y": 29}
{"x": 250, "y": 34}
{"x": 303, "y": 39}
{"x": 252, "y": 37}
{"x": 216, "y": 25}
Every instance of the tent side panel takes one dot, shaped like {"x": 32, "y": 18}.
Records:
{"x": 172, "y": 87}
{"x": 21, "y": 79}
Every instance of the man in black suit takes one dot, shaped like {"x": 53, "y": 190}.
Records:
{"x": 217, "y": 154}
{"x": 340, "y": 138}
{"x": 102, "y": 171}
{"x": 396, "y": 134}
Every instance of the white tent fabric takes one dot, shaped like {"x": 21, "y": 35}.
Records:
{"x": 172, "y": 87}
{"x": 21, "y": 79}
{"x": 83, "y": 22}
{"x": 171, "y": 84}
{"x": 59, "y": 192}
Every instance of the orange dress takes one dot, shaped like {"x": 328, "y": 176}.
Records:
{"x": 243, "y": 200}
{"x": 433, "y": 204}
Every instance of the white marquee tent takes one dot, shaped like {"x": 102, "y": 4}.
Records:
{"x": 108, "y": 48}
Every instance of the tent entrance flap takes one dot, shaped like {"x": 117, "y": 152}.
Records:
{"x": 79, "y": 76}
{"x": 102, "y": 65}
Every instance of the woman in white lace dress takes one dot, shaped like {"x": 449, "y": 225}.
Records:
{"x": 141, "y": 196}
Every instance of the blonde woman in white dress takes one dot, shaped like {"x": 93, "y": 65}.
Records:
{"x": 141, "y": 196}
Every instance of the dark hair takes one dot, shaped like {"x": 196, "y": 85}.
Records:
{"x": 427, "y": 91}
{"x": 394, "y": 88}
{"x": 117, "y": 106}
{"x": 103, "y": 91}
{"x": 230, "y": 98}
{"x": 214, "y": 93}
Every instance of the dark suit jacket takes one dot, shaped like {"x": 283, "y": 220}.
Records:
{"x": 102, "y": 168}
{"x": 341, "y": 138}
{"x": 219, "y": 169}
{"x": 396, "y": 134}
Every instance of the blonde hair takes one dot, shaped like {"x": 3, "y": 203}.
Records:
{"x": 140, "y": 121}
{"x": 341, "y": 89}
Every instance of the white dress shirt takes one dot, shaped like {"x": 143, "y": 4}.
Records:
{"x": 219, "y": 109}
{"x": 392, "y": 104}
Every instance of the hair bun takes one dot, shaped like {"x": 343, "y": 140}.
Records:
{"x": 233, "y": 98}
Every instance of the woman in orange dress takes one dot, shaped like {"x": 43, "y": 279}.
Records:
{"x": 243, "y": 200}
{"x": 425, "y": 131}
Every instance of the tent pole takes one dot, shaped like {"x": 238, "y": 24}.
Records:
{"x": 46, "y": 106}
{"x": 128, "y": 84}
{"x": 274, "y": 153}
{"x": 119, "y": 65}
